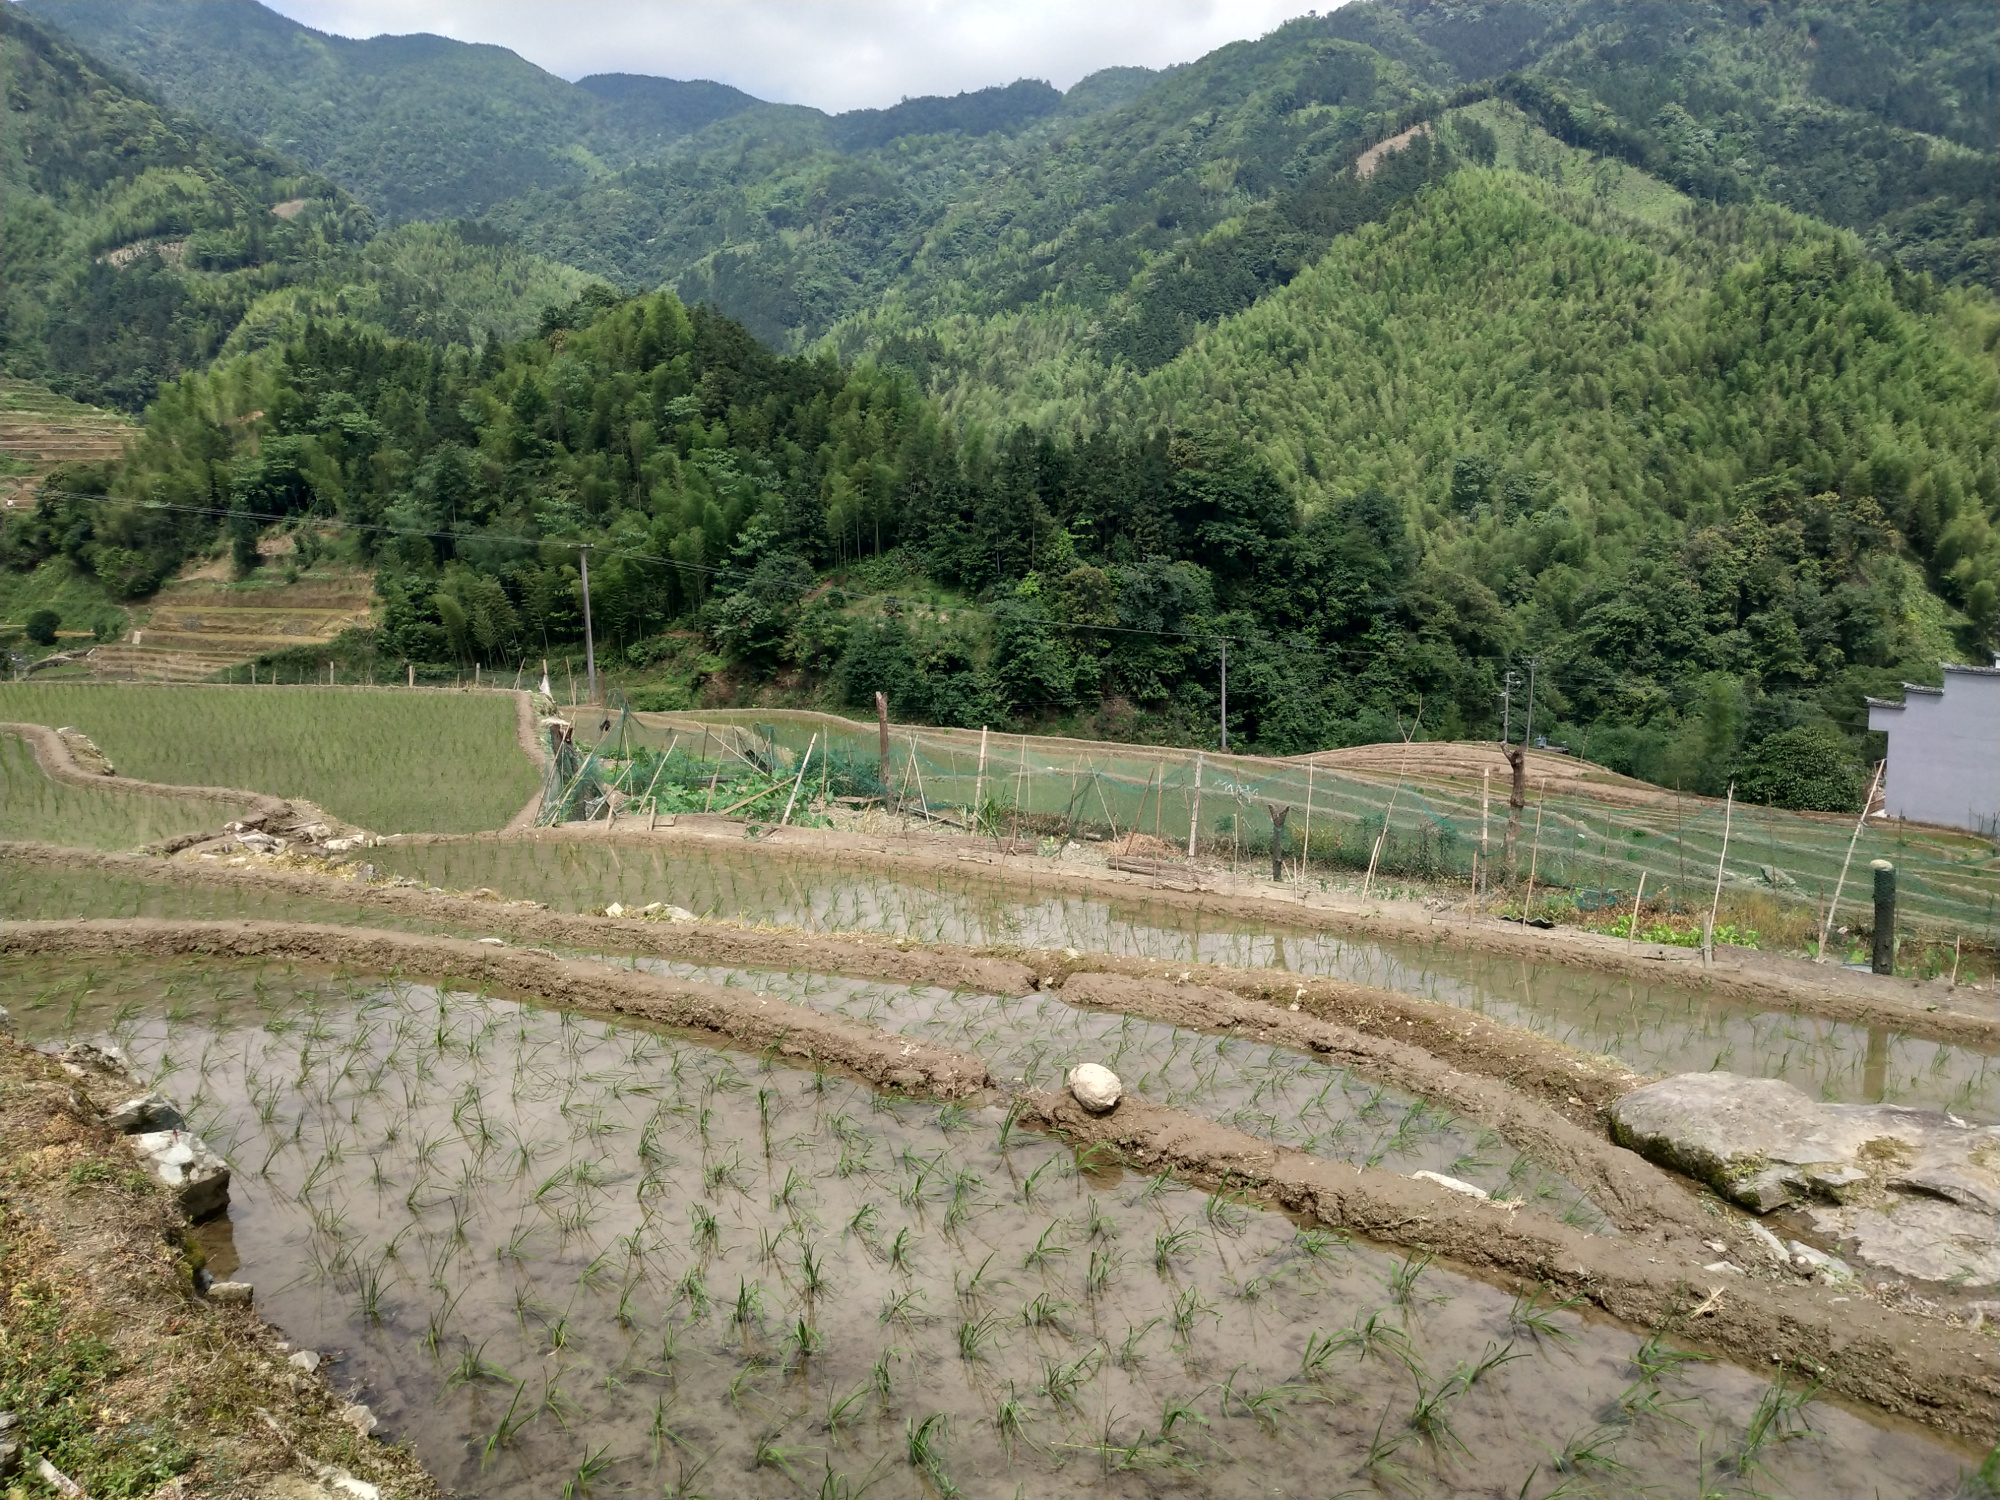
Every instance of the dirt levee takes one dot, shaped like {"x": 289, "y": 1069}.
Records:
{"x": 743, "y": 1017}
{"x": 1933, "y": 1373}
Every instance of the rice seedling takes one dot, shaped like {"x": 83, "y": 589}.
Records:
{"x": 1171, "y": 1243}
{"x": 1061, "y": 1379}
{"x": 510, "y": 1424}
{"x": 842, "y": 1410}
{"x": 1528, "y": 1316}
{"x": 1403, "y": 1279}
{"x": 881, "y": 1373}
{"x": 975, "y": 1334}
{"x": 1044, "y": 1310}
{"x": 1430, "y": 1416}
{"x": 924, "y": 1446}
{"x": 1778, "y": 1418}
{"x": 1047, "y": 1248}
{"x": 1189, "y": 1306}
{"x": 594, "y": 1463}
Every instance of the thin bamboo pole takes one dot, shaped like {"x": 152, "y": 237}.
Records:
{"x": 1826, "y": 922}
{"x": 1141, "y": 813}
{"x": 979, "y": 781}
{"x": 1305, "y": 855}
{"x": 792, "y": 801}
{"x": 1715, "y": 903}
{"x": 1485, "y": 809}
{"x": 1632, "y": 934}
{"x": 1194, "y": 807}
{"x": 1535, "y": 854}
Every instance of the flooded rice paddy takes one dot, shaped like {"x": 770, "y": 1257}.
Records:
{"x": 35, "y": 807}
{"x": 567, "y": 1256}
{"x": 1653, "y": 1028}
{"x": 1274, "y": 1093}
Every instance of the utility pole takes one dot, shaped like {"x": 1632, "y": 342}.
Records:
{"x": 1528, "y": 734}
{"x": 589, "y": 642}
{"x": 1225, "y": 695}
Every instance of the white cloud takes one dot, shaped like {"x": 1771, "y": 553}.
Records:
{"x": 836, "y": 54}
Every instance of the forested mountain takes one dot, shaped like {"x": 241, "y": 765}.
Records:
{"x": 139, "y": 244}
{"x": 426, "y": 127}
{"x": 1216, "y": 183}
{"x": 1398, "y": 348}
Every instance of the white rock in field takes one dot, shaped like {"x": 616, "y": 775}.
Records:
{"x": 1457, "y": 1185}
{"x": 1095, "y": 1086}
{"x": 615, "y": 909}
{"x": 151, "y": 1110}
{"x": 344, "y": 1484}
{"x": 359, "y": 1417}
{"x": 232, "y": 1293}
{"x": 197, "y": 1176}
{"x": 305, "y": 1359}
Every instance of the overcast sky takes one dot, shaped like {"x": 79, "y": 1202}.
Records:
{"x": 836, "y": 54}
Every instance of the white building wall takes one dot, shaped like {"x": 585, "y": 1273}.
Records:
{"x": 1944, "y": 750}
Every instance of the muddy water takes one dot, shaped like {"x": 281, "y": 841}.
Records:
{"x": 1294, "y": 1099}
{"x": 555, "y": 1252}
{"x": 1654, "y": 1029}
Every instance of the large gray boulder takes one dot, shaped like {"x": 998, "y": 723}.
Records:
{"x": 1910, "y": 1190}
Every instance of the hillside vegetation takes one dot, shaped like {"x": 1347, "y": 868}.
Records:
{"x": 1399, "y": 349}
{"x": 140, "y": 243}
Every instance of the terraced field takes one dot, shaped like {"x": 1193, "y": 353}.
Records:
{"x": 198, "y": 627}
{"x": 39, "y": 430}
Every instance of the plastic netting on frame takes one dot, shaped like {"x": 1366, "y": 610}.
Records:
{"x": 1156, "y": 801}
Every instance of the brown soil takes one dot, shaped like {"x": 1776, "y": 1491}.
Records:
{"x": 527, "y": 734}
{"x": 739, "y": 1016}
{"x": 96, "y": 1286}
{"x": 1931, "y": 1372}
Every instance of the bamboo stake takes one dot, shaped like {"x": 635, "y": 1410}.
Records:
{"x": 1632, "y": 936}
{"x": 1141, "y": 813}
{"x": 1485, "y": 806}
{"x": 1305, "y": 856}
{"x": 1956, "y": 943}
{"x": 922, "y": 801}
{"x": 653, "y": 812}
{"x": 1194, "y": 807}
{"x": 1402, "y": 768}
{"x": 792, "y": 801}
{"x": 979, "y": 781}
{"x": 1867, "y": 802}
{"x": 1541, "y": 801}
{"x": 714, "y": 776}
{"x": 1020, "y": 785}
{"x": 1715, "y": 905}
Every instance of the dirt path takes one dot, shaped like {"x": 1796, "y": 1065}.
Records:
{"x": 527, "y": 734}
{"x": 105, "y": 1336}
{"x": 1931, "y": 1372}
{"x": 52, "y": 754}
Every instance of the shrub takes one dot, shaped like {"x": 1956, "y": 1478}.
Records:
{"x": 1809, "y": 768}
{"x": 42, "y": 624}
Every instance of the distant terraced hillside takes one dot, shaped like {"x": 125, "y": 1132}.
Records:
{"x": 198, "y": 626}
{"x": 40, "y": 430}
